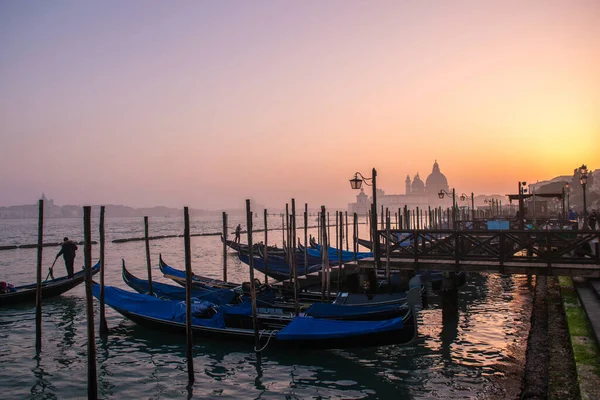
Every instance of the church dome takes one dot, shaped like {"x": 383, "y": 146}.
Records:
{"x": 436, "y": 180}
{"x": 417, "y": 184}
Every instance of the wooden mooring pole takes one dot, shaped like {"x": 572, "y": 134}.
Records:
{"x": 318, "y": 228}
{"x": 355, "y": 234}
{"x": 38, "y": 290}
{"x": 188, "y": 295}
{"x": 103, "y": 328}
{"x": 294, "y": 258}
{"x": 252, "y": 287}
{"x": 148, "y": 262}
{"x": 306, "y": 238}
{"x": 340, "y": 250}
{"x": 225, "y": 246}
{"x": 324, "y": 260}
{"x": 266, "y": 250}
{"x": 328, "y": 229}
{"x": 346, "y": 216}
{"x": 89, "y": 304}
{"x": 388, "y": 276}
{"x": 287, "y": 243}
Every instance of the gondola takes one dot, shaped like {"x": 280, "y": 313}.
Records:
{"x": 51, "y": 288}
{"x": 345, "y": 306}
{"x": 339, "y": 299}
{"x": 166, "y": 291}
{"x": 276, "y": 328}
{"x": 334, "y": 257}
{"x": 277, "y": 267}
{"x": 199, "y": 282}
{"x": 244, "y": 247}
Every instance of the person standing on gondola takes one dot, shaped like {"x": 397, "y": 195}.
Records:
{"x": 68, "y": 249}
{"x": 238, "y": 232}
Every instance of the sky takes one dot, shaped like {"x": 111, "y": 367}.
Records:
{"x": 208, "y": 103}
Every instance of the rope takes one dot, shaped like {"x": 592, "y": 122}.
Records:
{"x": 268, "y": 340}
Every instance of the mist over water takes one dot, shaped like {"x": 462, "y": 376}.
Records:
{"x": 464, "y": 348}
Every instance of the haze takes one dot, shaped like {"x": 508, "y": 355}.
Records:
{"x": 207, "y": 103}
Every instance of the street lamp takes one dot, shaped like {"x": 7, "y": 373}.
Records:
{"x": 583, "y": 176}
{"x": 441, "y": 196}
{"x": 491, "y": 203}
{"x": 464, "y": 197}
{"x": 568, "y": 197}
{"x": 356, "y": 183}
{"x": 522, "y": 191}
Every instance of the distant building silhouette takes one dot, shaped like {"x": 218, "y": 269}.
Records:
{"x": 417, "y": 194}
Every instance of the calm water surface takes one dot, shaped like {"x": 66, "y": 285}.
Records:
{"x": 463, "y": 351}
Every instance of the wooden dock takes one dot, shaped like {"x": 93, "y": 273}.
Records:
{"x": 510, "y": 267}
{"x": 534, "y": 252}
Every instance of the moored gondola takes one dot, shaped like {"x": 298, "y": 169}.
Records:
{"x": 51, "y": 288}
{"x": 345, "y": 305}
{"x": 171, "y": 292}
{"x": 197, "y": 280}
{"x": 275, "y": 327}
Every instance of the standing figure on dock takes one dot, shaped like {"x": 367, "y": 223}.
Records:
{"x": 593, "y": 220}
{"x": 238, "y": 232}
{"x": 67, "y": 250}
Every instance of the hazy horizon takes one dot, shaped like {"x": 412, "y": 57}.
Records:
{"x": 205, "y": 104}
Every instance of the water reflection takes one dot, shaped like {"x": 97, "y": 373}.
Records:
{"x": 259, "y": 373}
{"x": 463, "y": 341}
{"x": 449, "y": 331}
{"x": 42, "y": 383}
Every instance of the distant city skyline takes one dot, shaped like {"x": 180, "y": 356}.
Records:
{"x": 205, "y": 104}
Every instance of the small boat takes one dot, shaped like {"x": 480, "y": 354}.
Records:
{"x": 51, "y": 288}
{"x": 276, "y": 327}
{"x": 277, "y": 267}
{"x": 352, "y": 306}
{"x": 334, "y": 257}
{"x": 165, "y": 291}
{"x": 244, "y": 247}
{"x": 198, "y": 281}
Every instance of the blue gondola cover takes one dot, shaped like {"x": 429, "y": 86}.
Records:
{"x": 309, "y": 328}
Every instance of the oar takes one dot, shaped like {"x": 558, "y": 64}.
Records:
{"x": 50, "y": 270}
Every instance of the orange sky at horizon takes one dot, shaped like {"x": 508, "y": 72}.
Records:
{"x": 205, "y": 105}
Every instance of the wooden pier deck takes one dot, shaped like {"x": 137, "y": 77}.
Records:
{"x": 508, "y": 267}
{"x": 535, "y": 252}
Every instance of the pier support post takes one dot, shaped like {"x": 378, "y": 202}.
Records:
{"x": 148, "y": 262}
{"x": 103, "y": 328}
{"x": 91, "y": 338}
{"x": 225, "y": 246}
{"x": 252, "y": 286}
{"x": 38, "y": 291}
{"x": 188, "y": 296}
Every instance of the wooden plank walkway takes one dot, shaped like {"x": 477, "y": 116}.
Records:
{"x": 508, "y": 267}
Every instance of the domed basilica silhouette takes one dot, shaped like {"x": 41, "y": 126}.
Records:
{"x": 417, "y": 194}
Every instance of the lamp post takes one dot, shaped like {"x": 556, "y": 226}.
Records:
{"x": 568, "y": 196}
{"x": 441, "y": 196}
{"x": 356, "y": 183}
{"x": 464, "y": 197}
{"x": 583, "y": 176}
{"x": 491, "y": 203}
{"x": 522, "y": 191}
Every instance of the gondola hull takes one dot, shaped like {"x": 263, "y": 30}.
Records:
{"x": 302, "y": 332}
{"x": 52, "y": 288}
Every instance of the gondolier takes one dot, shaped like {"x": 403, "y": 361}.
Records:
{"x": 68, "y": 250}
{"x": 238, "y": 231}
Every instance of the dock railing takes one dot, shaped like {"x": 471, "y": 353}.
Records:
{"x": 534, "y": 246}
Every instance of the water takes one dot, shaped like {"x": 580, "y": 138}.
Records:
{"x": 471, "y": 348}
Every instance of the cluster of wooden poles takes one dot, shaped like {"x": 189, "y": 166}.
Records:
{"x": 429, "y": 218}
{"x": 291, "y": 239}
{"x": 289, "y": 228}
